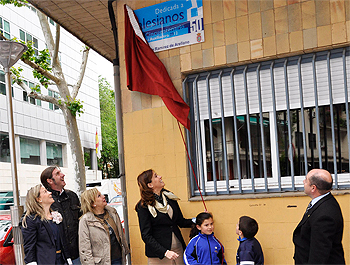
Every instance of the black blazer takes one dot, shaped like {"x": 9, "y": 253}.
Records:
{"x": 318, "y": 236}
{"x": 156, "y": 232}
{"x": 39, "y": 243}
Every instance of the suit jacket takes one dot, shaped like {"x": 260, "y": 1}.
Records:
{"x": 156, "y": 232}
{"x": 39, "y": 243}
{"x": 318, "y": 236}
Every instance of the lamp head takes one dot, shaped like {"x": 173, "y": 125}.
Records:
{"x": 10, "y": 52}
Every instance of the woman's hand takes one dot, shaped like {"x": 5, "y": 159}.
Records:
{"x": 171, "y": 255}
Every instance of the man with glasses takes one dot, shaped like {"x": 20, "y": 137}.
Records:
{"x": 67, "y": 203}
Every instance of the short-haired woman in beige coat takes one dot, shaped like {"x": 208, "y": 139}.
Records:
{"x": 101, "y": 237}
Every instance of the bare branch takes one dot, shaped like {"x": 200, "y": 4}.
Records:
{"x": 57, "y": 44}
{"x": 34, "y": 94}
{"x": 46, "y": 98}
{"x": 56, "y": 65}
{"x": 82, "y": 72}
{"x": 2, "y": 36}
{"x": 23, "y": 85}
{"x": 47, "y": 32}
{"x": 41, "y": 71}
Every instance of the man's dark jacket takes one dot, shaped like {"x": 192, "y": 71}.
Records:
{"x": 68, "y": 205}
{"x": 156, "y": 232}
{"x": 318, "y": 236}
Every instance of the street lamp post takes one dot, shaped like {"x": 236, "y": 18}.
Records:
{"x": 10, "y": 53}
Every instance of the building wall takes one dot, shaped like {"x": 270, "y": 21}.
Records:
{"x": 40, "y": 122}
{"x": 236, "y": 32}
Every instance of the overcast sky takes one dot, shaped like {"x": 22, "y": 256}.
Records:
{"x": 104, "y": 68}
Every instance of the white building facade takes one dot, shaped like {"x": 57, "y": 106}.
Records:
{"x": 40, "y": 132}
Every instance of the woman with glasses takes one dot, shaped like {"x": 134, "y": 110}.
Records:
{"x": 43, "y": 234}
{"x": 159, "y": 219}
{"x": 101, "y": 237}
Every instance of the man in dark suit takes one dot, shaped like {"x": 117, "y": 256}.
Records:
{"x": 318, "y": 236}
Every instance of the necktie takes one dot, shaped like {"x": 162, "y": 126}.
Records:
{"x": 308, "y": 207}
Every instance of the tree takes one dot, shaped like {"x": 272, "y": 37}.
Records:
{"x": 47, "y": 69}
{"x": 109, "y": 154}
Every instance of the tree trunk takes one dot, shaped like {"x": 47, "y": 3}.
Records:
{"x": 76, "y": 150}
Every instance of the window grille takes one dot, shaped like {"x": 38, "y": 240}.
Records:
{"x": 261, "y": 127}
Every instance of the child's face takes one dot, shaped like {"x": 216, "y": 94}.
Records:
{"x": 207, "y": 227}
{"x": 238, "y": 232}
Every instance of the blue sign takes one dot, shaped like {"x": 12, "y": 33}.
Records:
{"x": 172, "y": 24}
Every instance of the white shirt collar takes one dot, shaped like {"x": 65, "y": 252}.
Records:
{"x": 314, "y": 200}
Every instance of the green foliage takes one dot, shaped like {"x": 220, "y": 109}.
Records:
{"x": 108, "y": 162}
{"x": 43, "y": 60}
{"x": 16, "y": 72}
{"x": 87, "y": 159}
{"x": 75, "y": 106}
{"x": 17, "y": 3}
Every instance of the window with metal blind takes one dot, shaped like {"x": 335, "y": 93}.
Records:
{"x": 54, "y": 154}
{"x": 30, "y": 151}
{"x": 261, "y": 127}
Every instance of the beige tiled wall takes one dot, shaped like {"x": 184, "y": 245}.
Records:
{"x": 244, "y": 31}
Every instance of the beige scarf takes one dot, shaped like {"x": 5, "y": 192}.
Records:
{"x": 160, "y": 207}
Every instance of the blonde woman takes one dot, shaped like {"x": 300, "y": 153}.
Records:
{"x": 101, "y": 237}
{"x": 44, "y": 241}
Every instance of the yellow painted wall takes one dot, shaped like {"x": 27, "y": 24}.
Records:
{"x": 156, "y": 143}
{"x": 236, "y": 32}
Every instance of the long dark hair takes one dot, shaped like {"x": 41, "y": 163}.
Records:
{"x": 147, "y": 197}
{"x": 199, "y": 221}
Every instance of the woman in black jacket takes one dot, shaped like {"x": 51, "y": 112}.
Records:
{"x": 43, "y": 234}
{"x": 160, "y": 218}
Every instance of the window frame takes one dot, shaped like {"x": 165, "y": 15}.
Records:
{"x": 5, "y": 32}
{"x": 29, "y": 143}
{"x": 53, "y": 93}
{"x": 25, "y": 97}
{"x": 26, "y": 36}
{"x": 196, "y": 138}
{"x": 60, "y": 159}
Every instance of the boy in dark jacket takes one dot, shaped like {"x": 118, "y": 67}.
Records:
{"x": 249, "y": 251}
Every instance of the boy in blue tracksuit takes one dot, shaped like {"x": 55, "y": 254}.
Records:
{"x": 204, "y": 248}
{"x": 249, "y": 251}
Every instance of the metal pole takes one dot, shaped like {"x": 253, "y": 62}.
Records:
{"x": 16, "y": 210}
{"x": 119, "y": 123}
{"x": 120, "y": 136}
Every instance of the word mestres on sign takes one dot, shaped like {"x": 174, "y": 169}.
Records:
{"x": 172, "y": 24}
